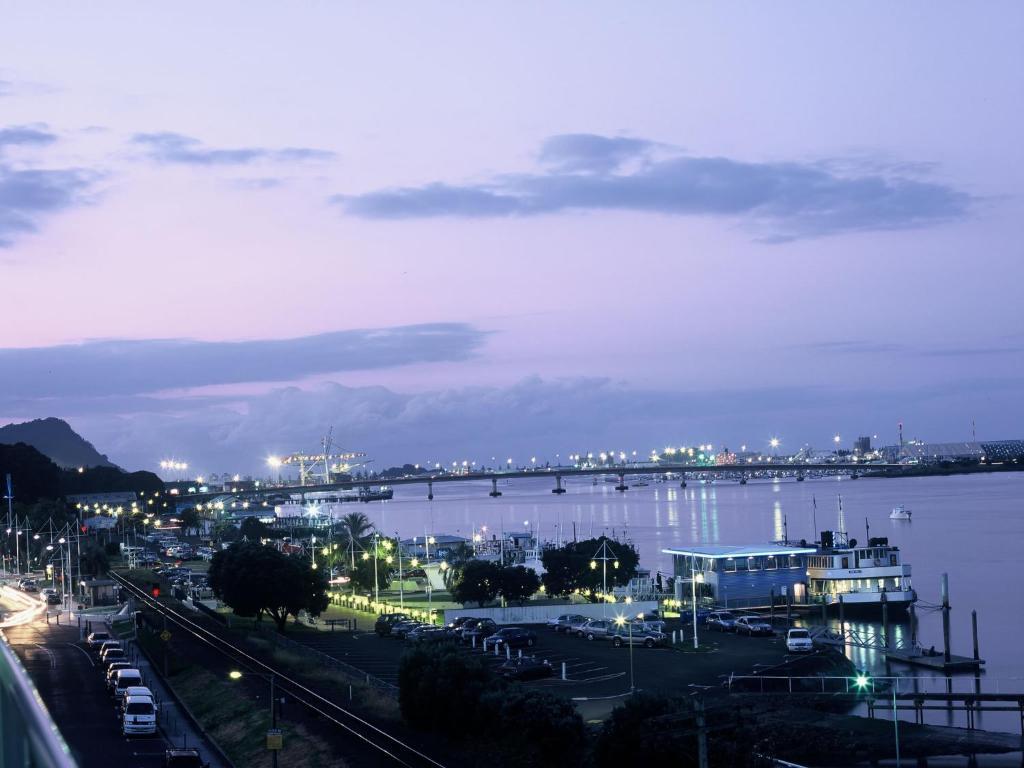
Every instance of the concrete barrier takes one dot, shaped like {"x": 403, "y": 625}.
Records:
{"x": 538, "y": 614}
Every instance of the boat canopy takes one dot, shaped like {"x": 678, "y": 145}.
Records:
{"x": 725, "y": 552}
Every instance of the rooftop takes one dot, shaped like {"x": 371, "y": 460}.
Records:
{"x": 725, "y": 552}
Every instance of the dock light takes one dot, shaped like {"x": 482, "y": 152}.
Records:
{"x": 234, "y": 674}
{"x": 861, "y": 681}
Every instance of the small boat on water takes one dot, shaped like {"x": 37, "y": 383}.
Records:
{"x": 900, "y": 513}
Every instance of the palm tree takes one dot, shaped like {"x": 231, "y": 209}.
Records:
{"x": 355, "y": 528}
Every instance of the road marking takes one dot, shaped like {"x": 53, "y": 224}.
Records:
{"x": 78, "y": 647}
{"x": 48, "y": 652}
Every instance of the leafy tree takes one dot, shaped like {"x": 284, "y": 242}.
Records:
{"x": 478, "y": 583}
{"x": 355, "y": 529}
{"x": 535, "y": 728}
{"x": 363, "y": 576}
{"x": 94, "y": 559}
{"x": 517, "y": 583}
{"x": 254, "y": 579}
{"x": 575, "y": 567}
{"x": 190, "y": 520}
{"x": 439, "y": 690}
{"x": 254, "y": 529}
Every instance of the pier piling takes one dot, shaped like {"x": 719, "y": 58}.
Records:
{"x": 622, "y": 483}
{"x": 789, "y": 607}
{"x": 945, "y": 618}
{"x": 842, "y": 616}
{"x": 885, "y": 620}
{"x": 430, "y": 490}
{"x": 495, "y": 493}
{"x": 558, "y": 485}
{"x": 771, "y": 608}
{"x": 974, "y": 633}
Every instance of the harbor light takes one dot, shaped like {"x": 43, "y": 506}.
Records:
{"x": 861, "y": 681}
{"x": 234, "y": 674}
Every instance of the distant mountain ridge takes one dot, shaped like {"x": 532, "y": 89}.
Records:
{"x": 55, "y": 439}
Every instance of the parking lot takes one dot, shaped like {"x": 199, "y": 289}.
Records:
{"x": 594, "y": 669}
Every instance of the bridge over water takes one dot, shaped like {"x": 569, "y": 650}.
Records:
{"x": 559, "y": 474}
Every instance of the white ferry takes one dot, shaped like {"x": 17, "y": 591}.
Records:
{"x": 860, "y": 574}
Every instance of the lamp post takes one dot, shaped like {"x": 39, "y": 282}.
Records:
{"x": 376, "y": 556}
{"x": 604, "y": 554}
{"x": 236, "y": 675}
{"x": 401, "y": 586}
{"x": 693, "y": 590}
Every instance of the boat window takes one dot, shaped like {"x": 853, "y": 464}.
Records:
{"x": 794, "y": 561}
{"x": 892, "y": 559}
{"x": 770, "y": 564}
{"x": 846, "y": 562}
{"x": 753, "y": 563}
{"x": 730, "y": 565}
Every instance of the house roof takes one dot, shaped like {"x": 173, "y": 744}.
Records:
{"x": 725, "y": 552}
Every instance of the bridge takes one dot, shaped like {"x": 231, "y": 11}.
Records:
{"x": 798, "y": 470}
{"x": 28, "y": 735}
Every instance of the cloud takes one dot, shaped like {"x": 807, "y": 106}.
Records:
{"x": 110, "y": 368}
{"x": 533, "y": 416}
{"x": 863, "y": 347}
{"x": 26, "y": 135}
{"x": 780, "y": 200}
{"x": 175, "y": 148}
{"x": 28, "y": 196}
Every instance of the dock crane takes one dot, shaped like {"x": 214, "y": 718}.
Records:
{"x": 318, "y": 467}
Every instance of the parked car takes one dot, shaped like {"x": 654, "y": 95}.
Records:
{"x": 386, "y": 621}
{"x": 624, "y": 636}
{"x": 753, "y": 625}
{"x": 722, "y": 621}
{"x": 655, "y": 625}
{"x": 402, "y": 629}
{"x": 139, "y": 716}
{"x": 427, "y": 633}
{"x": 134, "y": 690}
{"x": 54, "y": 599}
{"x": 479, "y": 629}
{"x": 458, "y": 621}
{"x": 114, "y": 654}
{"x": 183, "y": 758}
{"x": 576, "y": 625}
{"x": 96, "y": 639}
{"x": 28, "y": 585}
{"x": 566, "y": 620}
{"x": 107, "y": 644}
{"x": 799, "y": 641}
{"x": 526, "y": 668}
{"x": 124, "y": 678}
{"x": 113, "y": 669}
{"x": 513, "y": 637}
{"x": 596, "y": 629}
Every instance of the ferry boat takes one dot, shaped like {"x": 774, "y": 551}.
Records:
{"x": 860, "y": 574}
{"x": 900, "y": 513}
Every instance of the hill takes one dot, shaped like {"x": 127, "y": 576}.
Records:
{"x": 56, "y": 439}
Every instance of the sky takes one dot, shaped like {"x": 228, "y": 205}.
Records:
{"x": 462, "y": 230}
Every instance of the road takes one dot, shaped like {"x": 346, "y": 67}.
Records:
{"x": 73, "y": 690}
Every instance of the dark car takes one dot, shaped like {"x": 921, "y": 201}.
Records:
{"x": 458, "y": 622}
{"x": 183, "y": 758}
{"x": 401, "y": 629}
{"x": 54, "y": 599}
{"x": 526, "y": 668}
{"x": 427, "y": 633}
{"x": 478, "y": 629}
{"x": 723, "y": 621}
{"x": 386, "y": 621}
{"x": 753, "y": 625}
{"x": 511, "y": 637}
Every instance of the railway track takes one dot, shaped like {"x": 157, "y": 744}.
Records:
{"x": 382, "y": 747}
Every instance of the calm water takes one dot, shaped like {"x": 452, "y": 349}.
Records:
{"x": 969, "y": 526}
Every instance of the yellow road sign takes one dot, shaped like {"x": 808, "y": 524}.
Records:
{"x": 165, "y": 635}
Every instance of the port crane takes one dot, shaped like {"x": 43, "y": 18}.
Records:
{"x": 315, "y": 468}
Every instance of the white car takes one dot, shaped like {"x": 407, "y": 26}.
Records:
{"x": 799, "y": 641}
{"x": 139, "y": 716}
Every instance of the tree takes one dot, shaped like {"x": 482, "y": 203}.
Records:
{"x": 517, "y": 583}
{"x": 254, "y": 529}
{"x": 254, "y": 579}
{"x": 190, "y": 520}
{"x": 94, "y": 560}
{"x": 363, "y": 576}
{"x": 431, "y": 675}
{"x": 576, "y": 567}
{"x": 478, "y": 583}
{"x": 355, "y": 529}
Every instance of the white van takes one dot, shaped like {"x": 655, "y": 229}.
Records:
{"x": 125, "y": 678}
{"x": 799, "y": 641}
{"x": 139, "y": 716}
{"x": 140, "y": 691}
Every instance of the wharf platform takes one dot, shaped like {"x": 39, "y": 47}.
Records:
{"x": 920, "y": 657}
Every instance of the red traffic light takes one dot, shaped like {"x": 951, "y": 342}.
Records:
{"x": 155, "y": 591}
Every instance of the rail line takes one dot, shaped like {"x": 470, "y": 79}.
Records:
{"x": 370, "y": 735}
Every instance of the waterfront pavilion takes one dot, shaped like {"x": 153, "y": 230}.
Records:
{"x": 739, "y": 576}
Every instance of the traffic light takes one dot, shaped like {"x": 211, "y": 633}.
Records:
{"x": 154, "y": 590}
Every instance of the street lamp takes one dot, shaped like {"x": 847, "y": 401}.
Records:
{"x": 236, "y": 675}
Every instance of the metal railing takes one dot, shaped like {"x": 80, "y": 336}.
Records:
{"x": 28, "y": 736}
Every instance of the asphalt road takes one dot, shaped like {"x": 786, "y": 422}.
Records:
{"x": 73, "y": 690}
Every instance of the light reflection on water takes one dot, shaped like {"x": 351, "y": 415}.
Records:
{"x": 970, "y": 526}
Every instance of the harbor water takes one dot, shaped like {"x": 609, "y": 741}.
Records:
{"x": 968, "y": 526}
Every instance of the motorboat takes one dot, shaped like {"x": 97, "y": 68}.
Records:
{"x": 900, "y": 513}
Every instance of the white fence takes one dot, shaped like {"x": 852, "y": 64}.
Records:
{"x": 538, "y": 614}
